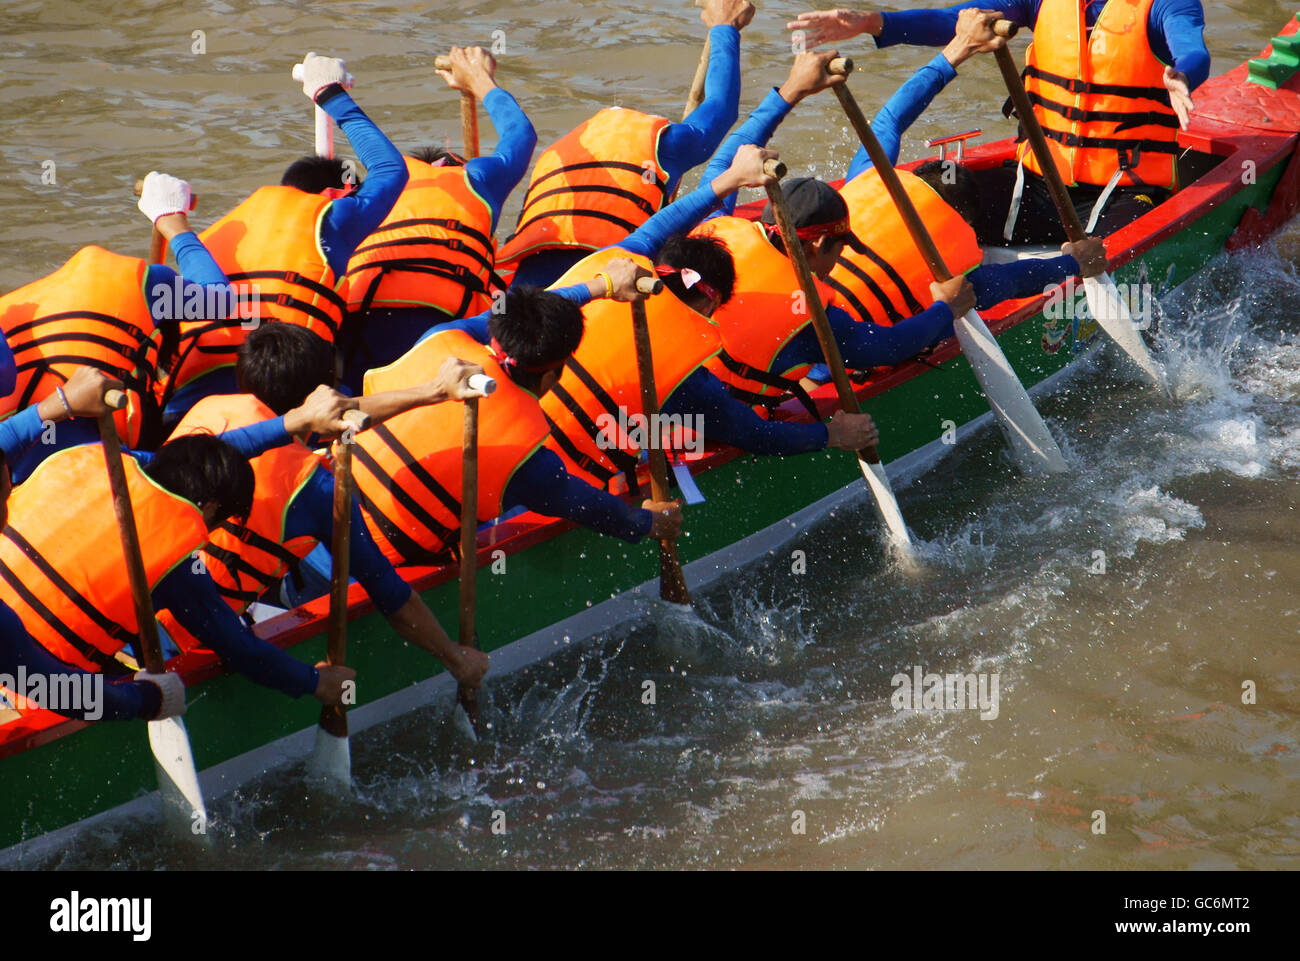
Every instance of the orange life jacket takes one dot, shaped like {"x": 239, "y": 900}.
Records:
{"x": 598, "y": 184}
{"x": 764, "y": 314}
{"x": 62, "y": 566}
{"x": 270, "y": 242}
{"x": 91, "y": 312}
{"x": 408, "y": 469}
{"x": 434, "y": 249}
{"x": 247, "y": 561}
{"x": 600, "y": 387}
{"x": 892, "y": 282}
{"x": 1101, "y": 98}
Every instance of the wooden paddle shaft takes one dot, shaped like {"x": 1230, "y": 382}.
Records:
{"x": 672, "y": 582}
{"x": 1038, "y": 143}
{"x": 821, "y": 323}
{"x": 151, "y": 647}
{"x": 885, "y": 167}
{"x": 467, "y": 696}
{"x": 333, "y": 717}
{"x": 468, "y": 521}
{"x": 696, "y": 94}
{"x": 157, "y": 242}
{"x": 468, "y": 113}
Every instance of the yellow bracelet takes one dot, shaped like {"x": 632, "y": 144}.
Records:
{"x": 609, "y": 284}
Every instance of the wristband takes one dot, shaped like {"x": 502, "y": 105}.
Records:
{"x": 609, "y": 284}
{"x": 326, "y": 94}
{"x": 64, "y": 399}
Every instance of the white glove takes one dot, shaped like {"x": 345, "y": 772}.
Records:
{"x": 317, "y": 73}
{"x": 173, "y": 692}
{"x": 163, "y": 195}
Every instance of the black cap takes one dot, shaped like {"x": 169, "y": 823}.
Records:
{"x": 814, "y": 203}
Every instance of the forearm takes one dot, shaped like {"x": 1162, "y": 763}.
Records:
{"x": 935, "y": 27}
{"x": 543, "y": 486}
{"x": 350, "y": 220}
{"x": 495, "y": 176}
{"x": 390, "y": 403}
{"x": 677, "y": 218}
{"x": 995, "y": 283}
{"x": 730, "y": 421}
{"x": 757, "y": 129}
{"x": 21, "y": 431}
{"x": 902, "y": 110}
{"x": 477, "y": 326}
{"x": 689, "y": 143}
{"x": 196, "y": 605}
{"x": 1182, "y": 24}
{"x": 415, "y": 623}
{"x": 257, "y": 439}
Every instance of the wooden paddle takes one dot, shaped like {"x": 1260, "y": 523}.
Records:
{"x": 1105, "y": 304}
{"x": 324, "y": 123}
{"x": 468, "y": 113}
{"x": 468, "y": 636}
{"x": 332, "y": 758}
{"x": 1031, "y": 442}
{"x": 157, "y": 242}
{"x": 178, "y": 779}
{"x": 672, "y": 582}
{"x": 869, "y": 459}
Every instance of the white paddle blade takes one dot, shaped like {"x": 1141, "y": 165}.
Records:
{"x": 178, "y": 780}
{"x": 1032, "y": 444}
{"x": 331, "y": 760}
{"x": 1112, "y": 315}
{"x": 886, "y": 503}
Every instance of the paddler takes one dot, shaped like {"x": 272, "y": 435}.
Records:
{"x": 280, "y": 366}
{"x": 856, "y": 244}
{"x": 63, "y": 573}
{"x": 408, "y": 471}
{"x": 433, "y": 257}
{"x": 598, "y": 394}
{"x": 144, "y": 696}
{"x": 287, "y": 246}
{"x": 1111, "y": 82}
{"x": 604, "y": 179}
{"x": 110, "y": 312}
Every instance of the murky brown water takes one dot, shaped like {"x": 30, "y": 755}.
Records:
{"x": 1119, "y": 692}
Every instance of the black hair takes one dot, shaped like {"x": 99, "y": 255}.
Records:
{"x": 431, "y": 155}
{"x": 315, "y": 174}
{"x": 955, "y": 185}
{"x": 203, "y": 468}
{"x": 536, "y": 328}
{"x": 707, "y": 256}
{"x": 281, "y": 364}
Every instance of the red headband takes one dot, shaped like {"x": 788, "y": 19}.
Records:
{"x": 509, "y": 363}
{"x": 837, "y": 228}
{"x": 693, "y": 282}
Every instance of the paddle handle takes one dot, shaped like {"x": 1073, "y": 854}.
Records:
{"x": 467, "y": 696}
{"x": 151, "y": 647}
{"x": 885, "y": 168}
{"x": 649, "y": 285}
{"x": 157, "y": 242}
{"x": 821, "y": 323}
{"x": 324, "y": 124}
{"x": 468, "y": 112}
{"x": 483, "y": 383}
{"x": 672, "y": 582}
{"x": 775, "y": 168}
{"x": 1033, "y": 131}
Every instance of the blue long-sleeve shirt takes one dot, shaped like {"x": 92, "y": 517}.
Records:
{"x": 350, "y": 220}
{"x": 1175, "y": 28}
{"x": 8, "y": 368}
{"x": 682, "y": 146}
{"x": 493, "y": 177}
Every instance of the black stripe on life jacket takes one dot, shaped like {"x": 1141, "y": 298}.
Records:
{"x": 405, "y": 545}
{"x": 412, "y": 553}
{"x": 295, "y": 278}
{"x": 594, "y": 214}
{"x": 483, "y": 239}
{"x": 107, "y": 625}
{"x": 625, "y": 462}
{"x": 864, "y": 314}
{"x": 1125, "y": 118}
{"x": 1158, "y": 94}
{"x": 1112, "y": 143}
{"x": 255, "y": 540}
{"x": 661, "y": 183}
{"x": 452, "y": 243}
{"x": 595, "y": 468}
{"x": 788, "y": 386}
{"x": 128, "y": 328}
{"x": 639, "y": 202}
